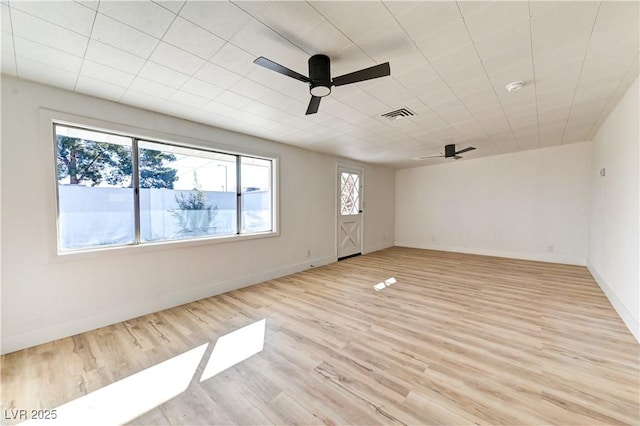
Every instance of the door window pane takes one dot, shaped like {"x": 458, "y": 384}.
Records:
{"x": 256, "y": 195}
{"x": 349, "y": 193}
{"x": 185, "y": 193}
{"x": 95, "y": 193}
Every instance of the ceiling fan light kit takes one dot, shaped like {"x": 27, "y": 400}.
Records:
{"x": 320, "y": 75}
{"x": 319, "y": 79}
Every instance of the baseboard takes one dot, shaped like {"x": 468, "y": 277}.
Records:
{"x": 538, "y": 257}
{"x": 632, "y": 323}
{"x": 25, "y": 339}
{"x": 377, "y": 247}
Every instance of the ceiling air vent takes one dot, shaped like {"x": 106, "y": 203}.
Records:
{"x": 399, "y": 113}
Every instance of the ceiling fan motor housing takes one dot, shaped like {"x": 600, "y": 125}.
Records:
{"x": 320, "y": 75}
{"x": 449, "y": 151}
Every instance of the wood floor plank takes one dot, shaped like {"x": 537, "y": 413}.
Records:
{"x": 458, "y": 339}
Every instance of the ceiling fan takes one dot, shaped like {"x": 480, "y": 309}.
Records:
{"x": 319, "y": 79}
{"x": 449, "y": 152}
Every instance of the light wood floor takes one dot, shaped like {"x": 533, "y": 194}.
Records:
{"x": 459, "y": 339}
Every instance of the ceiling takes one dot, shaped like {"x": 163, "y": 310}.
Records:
{"x": 450, "y": 62}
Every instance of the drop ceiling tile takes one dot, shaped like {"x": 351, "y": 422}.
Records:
{"x": 563, "y": 18}
{"x": 494, "y": 17}
{"x": 398, "y": 8}
{"x": 452, "y": 37}
{"x": 66, "y": 14}
{"x": 121, "y": 36}
{"x": 214, "y": 74}
{"x": 188, "y": 99}
{"x": 587, "y": 92}
{"x": 232, "y": 99}
{"x": 389, "y": 43}
{"x": 142, "y": 100}
{"x": 234, "y": 59}
{"x": 220, "y": 18}
{"x": 464, "y": 57}
{"x": 176, "y": 59}
{"x": 281, "y": 101}
{"x": 346, "y": 16}
{"x": 574, "y": 134}
{"x": 259, "y": 40}
{"x": 427, "y": 17}
{"x": 143, "y": 15}
{"x": 323, "y": 38}
{"x": 515, "y": 37}
{"x": 288, "y": 86}
{"x": 41, "y": 53}
{"x": 106, "y": 73}
{"x": 548, "y": 48}
{"x": 523, "y": 120}
{"x": 551, "y": 136}
{"x": 387, "y": 90}
{"x": 113, "y": 57}
{"x": 193, "y": 39}
{"x": 457, "y": 76}
{"x": 172, "y": 5}
{"x": 416, "y": 78}
{"x": 8, "y": 61}
{"x": 292, "y": 106}
{"x": 438, "y": 97}
{"x": 251, "y": 89}
{"x": 351, "y": 59}
{"x": 163, "y": 75}
{"x": 51, "y": 35}
{"x": 152, "y": 88}
{"x": 91, "y": 4}
{"x": 366, "y": 104}
{"x": 44, "y": 73}
{"x": 478, "y": 84}
{"x": 5, "y": 15}
{"x": 98, "y": 88}
{"x": 510, "y": 62}
{"x": 294, "y": 21}
{"x": 265, "y": 111}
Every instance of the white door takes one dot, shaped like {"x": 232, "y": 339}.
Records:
{"x": 349, "y": 211}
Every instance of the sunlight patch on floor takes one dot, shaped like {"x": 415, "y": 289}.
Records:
{"x": 234, "y": 348}
{"x": 131, "y": 397}
{"x": 384, "y": 284}
{"x": 127, "y": 399}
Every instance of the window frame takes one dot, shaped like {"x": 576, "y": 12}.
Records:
{"x": 50, "y": 119}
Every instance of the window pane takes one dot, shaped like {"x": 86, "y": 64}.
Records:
{"x": 95, "y": 194}
{"x": 185, "y": 193}
{"x": 256, "y": 195}
{"x": 349, "y": 193}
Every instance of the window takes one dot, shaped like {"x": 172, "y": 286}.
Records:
{"x": 118, "y": 190}
{"x": 349, "y": 193}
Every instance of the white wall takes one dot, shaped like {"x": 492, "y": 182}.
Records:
{"x": 614, "y": 236}
{"x": 529, "y": 205}
{"x": 46, "y": 297}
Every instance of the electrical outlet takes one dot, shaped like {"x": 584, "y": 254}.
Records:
{"x": 308, "y": 252}
{"x": 551, "y": 249}
{"x": 603, "y": 171}
{"x": 384, "y": 237}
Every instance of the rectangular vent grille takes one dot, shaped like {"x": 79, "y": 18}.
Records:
{"x": 399, "y": 113}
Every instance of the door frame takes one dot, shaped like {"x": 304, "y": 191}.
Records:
{"x": 348, "y": 166}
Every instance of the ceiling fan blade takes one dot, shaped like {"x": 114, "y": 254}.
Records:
{"x": 375, "y": 71}
{"x": 314, "y": 103}
{"x": 425, "y": 157}
{"x": 471, "y": 148}
{"x": 269, "y": 64}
